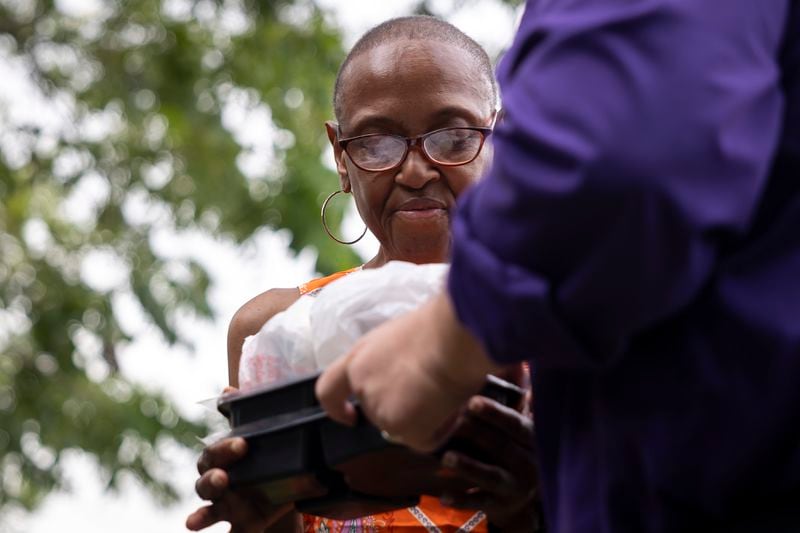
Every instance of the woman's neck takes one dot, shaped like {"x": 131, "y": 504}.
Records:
{"x": 383, "y": 257}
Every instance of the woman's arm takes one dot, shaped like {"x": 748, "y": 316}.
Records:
{"x": 249, "y": 319}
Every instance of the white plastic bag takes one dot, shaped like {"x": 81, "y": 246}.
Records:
{"x": 349, "y": 307}
{"x": 281, "y": 350}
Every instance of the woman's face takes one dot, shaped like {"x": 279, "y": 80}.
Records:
{"x": 410, "y": 88}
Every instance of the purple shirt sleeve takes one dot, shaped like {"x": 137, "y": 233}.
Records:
{"x": 636, "y": 144}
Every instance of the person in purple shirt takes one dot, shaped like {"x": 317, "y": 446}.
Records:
{"x": 638, "y": 239}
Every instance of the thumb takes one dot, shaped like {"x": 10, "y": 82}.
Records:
{"x": 334, "y": 389}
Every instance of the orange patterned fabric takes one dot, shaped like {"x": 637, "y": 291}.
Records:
{"x": 428, "y": 517}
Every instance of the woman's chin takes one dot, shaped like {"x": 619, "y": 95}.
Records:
{"x": 420, "y": 237}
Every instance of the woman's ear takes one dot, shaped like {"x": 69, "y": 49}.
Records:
{"x": 338, "y": 154}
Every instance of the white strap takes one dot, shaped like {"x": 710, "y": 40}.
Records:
{"x": 424, "y": 520}
{"x": 428, "y": 524}
{"x": 472, "y": 523}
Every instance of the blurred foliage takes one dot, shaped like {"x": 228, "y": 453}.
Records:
{"x": 152, "y": 96}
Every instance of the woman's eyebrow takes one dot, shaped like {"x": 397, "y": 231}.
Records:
{"x": 377, "y": 122}
{"x": 383, "y": 123}
{"x": 455, "y": 112}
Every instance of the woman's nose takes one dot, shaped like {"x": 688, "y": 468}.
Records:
{"x": 417, "y": 170}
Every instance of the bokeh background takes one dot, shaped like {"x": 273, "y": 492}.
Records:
{"x": 161, "y": 162}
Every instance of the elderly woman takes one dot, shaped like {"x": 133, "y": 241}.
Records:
{"x": 415, "y": 102}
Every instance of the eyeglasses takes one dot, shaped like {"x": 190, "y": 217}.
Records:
{"x": 378, "y": 152}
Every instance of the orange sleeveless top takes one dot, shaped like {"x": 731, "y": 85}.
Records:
{"x": 316, "y": 284}
{"x": 429, "y": 516}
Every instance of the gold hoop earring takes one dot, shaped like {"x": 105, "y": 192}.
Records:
{"x": 325, "y": 223}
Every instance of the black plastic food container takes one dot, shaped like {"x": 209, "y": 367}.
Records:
{"x": 279, "y": 422}
{"x": 296, "y": 453}
{"x": 285, "y": 460}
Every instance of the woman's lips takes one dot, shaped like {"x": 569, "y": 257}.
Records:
{"x": 416, "y": 208}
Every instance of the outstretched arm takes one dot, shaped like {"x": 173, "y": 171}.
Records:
{"x": 636, "y": 144}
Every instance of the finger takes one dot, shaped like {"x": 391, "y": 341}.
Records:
{"x": 203, "y": 517}
{"x": 512, "y": 424}
{"x": 222, "y": 454}
{"x": 229, "y": 390}
{"x": 333, "y": 390}
{"x": 488, "y": 478}
{"x": 238, "y": 511}
{"x": 212, "y": 485}
{"x": 496, "y": 491}
{"x": 493, "y": 446}
{"x": 527, "y": 404}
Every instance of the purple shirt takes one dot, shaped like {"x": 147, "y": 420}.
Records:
{"x": 638, "y": 239}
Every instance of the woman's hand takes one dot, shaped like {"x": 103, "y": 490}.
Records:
{"x": 246, "y": 511}
{"x": 505, "y": 477}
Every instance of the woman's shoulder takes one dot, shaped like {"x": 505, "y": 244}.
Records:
{"x": 255, "y": 312}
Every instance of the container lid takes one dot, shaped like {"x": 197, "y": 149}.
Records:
{"x": 225, "y": 401}
{"x": 280, "y": 422}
